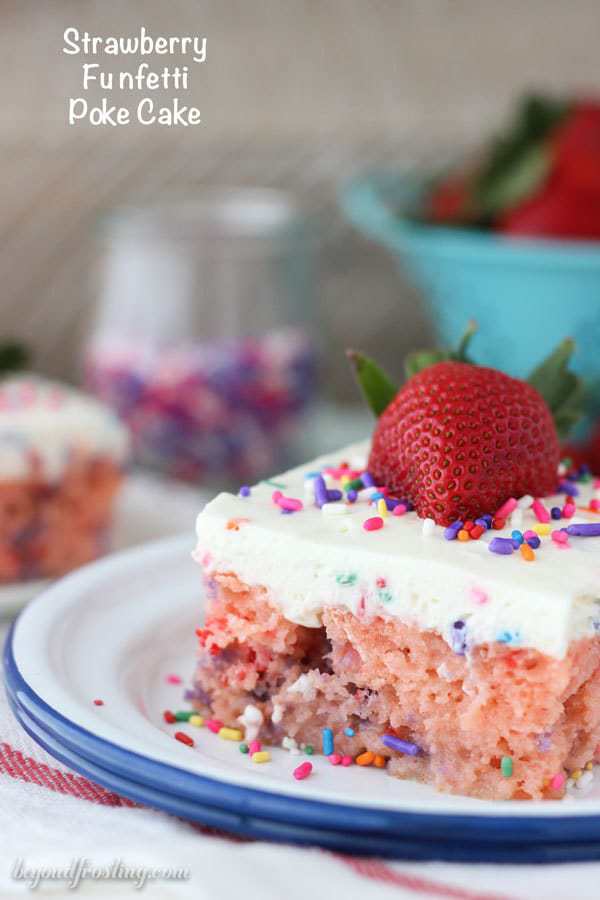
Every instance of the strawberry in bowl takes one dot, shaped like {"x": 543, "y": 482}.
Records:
{"x": 510, "y": 235}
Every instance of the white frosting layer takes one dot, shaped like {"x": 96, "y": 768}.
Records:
{"x": 43, "y": 423}
{"x": 312, "y": 559}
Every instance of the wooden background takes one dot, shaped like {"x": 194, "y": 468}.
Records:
{"x": 294, "y": 92}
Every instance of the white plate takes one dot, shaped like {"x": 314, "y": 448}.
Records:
{"x": 116, "y": 629}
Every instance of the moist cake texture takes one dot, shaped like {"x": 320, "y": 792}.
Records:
{"x": 61, "y": 461}
{"x": 475, "y": 671}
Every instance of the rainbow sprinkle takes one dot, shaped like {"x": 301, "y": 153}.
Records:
{"x": 395, "y": 743}
{"x": 504, "y": 511}
{"x": 506, "y": 766}
{"x": 382, "y": 508}
{"x": 557, "y": 782}
{"x": 584, "y": 530}
{"x": 302, "y": 771}
{"x": 526, "y": 552}
{"x": 328, "y": 746}
{"x": 503, "y": 546}
{"x": 230, "y": 734}
{"x": 261, "y": 756}
{"x": 365, "y": 759}
{"x": 291, "y": 504}
{"x": 373, "y": 524}
{"x": 451, "y": 532}
{"x": 540, "y": 511}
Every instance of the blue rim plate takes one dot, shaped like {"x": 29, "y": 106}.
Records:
{"x": 370, "y": 844}
{"x": 115, "y": 629}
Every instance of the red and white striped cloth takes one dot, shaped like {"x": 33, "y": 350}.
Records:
{"x": 50, "y": 816}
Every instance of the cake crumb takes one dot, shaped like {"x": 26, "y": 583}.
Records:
{"x": 251, "y": 719}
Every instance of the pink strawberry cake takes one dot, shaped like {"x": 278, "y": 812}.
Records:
{"x": 466, "y": 656}
{"x": 61, "y": 461}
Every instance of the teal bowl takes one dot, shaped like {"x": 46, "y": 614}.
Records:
{"x": 526, "y": 295}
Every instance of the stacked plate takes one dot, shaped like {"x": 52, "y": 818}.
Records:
{"x": 122, "y": 631}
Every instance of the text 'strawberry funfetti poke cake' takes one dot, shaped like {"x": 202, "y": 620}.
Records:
{"x": 429, "y": 602}
{"x": 61, "y": 460}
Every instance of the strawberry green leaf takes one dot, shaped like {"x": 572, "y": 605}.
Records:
{"x": 422, "y": 359}
{"x": 561, "y": 389}
{"x": 518, "y": 160}
{"x": 521, "y": 180}
{"x": 376, "y": 386}
{"x": 13, "y": 356}
{"x": 460, "y": 355}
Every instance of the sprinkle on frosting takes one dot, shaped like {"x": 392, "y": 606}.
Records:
{"x": 506, "y": 508}
{"x": 382, "y": 508}
{"x": 560, "y": 537}
{"x": 526, "y": 552}
{"x": 503, "y": 546}
{"x": 451, "y": 532}
{"x": 583, "y": 530}
{"x": 521, "y": 530}
{"x": 373, "y": 524}
{"x": 288, "y": 503}
{"x": 480, "y": 596}
{"x": 540, "y": 511}
{"x": 346, "y": 578}
{"x": 428, "y": 527}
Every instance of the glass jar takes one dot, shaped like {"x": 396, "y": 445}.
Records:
{"x": 203, "y": 341}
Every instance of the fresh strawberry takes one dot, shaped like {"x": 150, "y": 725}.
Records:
{"x": 458, "y": 440}
{"x": 448, "y": 202}
{"x": 568, "y": 204}
{"x": 559, "y": 210}
{"x": 576, "y": 147}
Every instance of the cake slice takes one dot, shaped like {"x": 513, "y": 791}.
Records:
{"x": 336, "y": 614}
{"x": 61, "y": 460}
{"x": 420, "y": 603}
